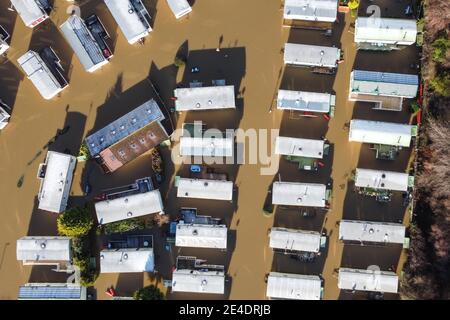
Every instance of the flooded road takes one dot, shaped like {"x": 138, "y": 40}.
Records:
{"x": 250, "y": 38}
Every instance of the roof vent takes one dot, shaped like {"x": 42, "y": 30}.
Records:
{"x": 383, "y": 175}
{"x": 197, "y": 105}
{"x": 102, "y": 256}
{"x": 322, "y": 52}
{"x": 126, "y": 200}
{"x": 122, "y": 127}
{"x": 129, "y": 214}
{"x": 382, "y": 184}
{"x": 209, "y": 102}
{"x": 43, "y": 245}
{"x": 299, "y": 200}
{"x": 125, "y": 256}
{"x": 186, "y": 194}
{"x": 206, "y": 184}
{"x": 371, "y": 231}
{"x": 194, "y": 232}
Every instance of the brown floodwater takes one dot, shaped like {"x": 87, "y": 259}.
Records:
{"x": 250, "y": 38}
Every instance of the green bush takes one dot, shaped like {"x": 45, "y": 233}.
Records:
{"x": 179, "y": 62}
{"x": 415, "y": 107}
{"x": 441, "y": 45}
{"x": 84, "y": 152}
{"x": 81, "y": 258}
{"x": 75, "y": 222}
{"x": 150, "y": 292}
{"x": 441, "y": 84}
{"x": 125, "y": 226}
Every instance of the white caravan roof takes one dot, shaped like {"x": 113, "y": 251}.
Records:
{"x": 127, "y": 260}
{"x": 132, "y": 206}
{"x": 366, "y": 231}
{"x": 129, "y": 21}
{"x": 299, "y": 147}
{"x": 197, "y": 281}
{"x": 39, "y": 74}
{"x": 205, "y": 189}
{"x": 385, "y": 30}
{"x": 201, "y": 236}
{"x": 179, "y": 7}
{"x": 304, "y": 101}
{"x": 293, "y": 286}
{"x": 30, "y": 12}
{"x": 295, "y": 240}
{"x": 55, "y": 186}
{"x": 206, "y": 146}
{"x": 386, "y": 133}
{"x": 83, "y": 43}
{"x": 41, "y": 249}
{"x": 205, "y": 98}
{"x": 378, "y": 179}
{"x": 308, "y": 55}
{"x": 368, "y": 280}
{"x": 299, "y": 194}
{"x": 311, "y": 10}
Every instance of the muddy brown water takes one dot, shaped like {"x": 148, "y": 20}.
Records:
{"x": 250, "y": 38}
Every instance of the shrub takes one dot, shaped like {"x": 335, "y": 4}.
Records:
{"x": 441, "y": 84}
{"x": 441, "y": 45}
{"x": 125, "y": 226}
{"x": 75, "y": 222}
{"x": 81, "y": 259}
{"x": 150, "y": 292}
{"x": 84, "y": 152}
{"x": 179, "y": 62}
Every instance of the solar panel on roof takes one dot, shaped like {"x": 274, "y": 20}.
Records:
{"x": 49, "y": 292}
{"x": 386, "y": 77}
{"x": 124, "y": 126}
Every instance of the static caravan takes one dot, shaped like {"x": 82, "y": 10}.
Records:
{"x": 311, "y": 56}
{"x": 4, "y": 36}
{"x": 201, "y": 236}
{"x": 56, "y": 175}
{"x": 204, "y": 98}
{"x": 179, "y": 8}
{"x": 293, "y": 286}
{"x": 386, "y": 90}
{"x": 305, "y": 101}
{"x": 385, "y": 133}
{"x": 375, "y": 232}
{"x": 198, "y": 281}
{"x": 88, "y": 42}
{"x": 207, "y": 146}
{"x": 310, "y": 13}
{"x": 299, "y": 194}
{"x": 44, "y": 250}
{"x": 4, "y": 115}
{"x": 127, "y": 260}
{"x": 307, "y": 148}
{"x": 367, "y": 280}
{"x": 384, "y": 33}
{"x": 52, "y": 291}
{"x": 32, "y": 12}
{"x": 383, "y": 180}
{"x": 128, "y": 137}
{"x": 204, "y": 189}
{"x": 129, "y": 206}
{"x": 132, "y": 17}
{"x": 45, "y": 72}
{"x": 295, "y": 240}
